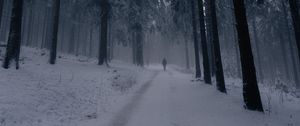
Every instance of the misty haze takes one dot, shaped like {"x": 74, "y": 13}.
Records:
{"x": 149, "y": 63}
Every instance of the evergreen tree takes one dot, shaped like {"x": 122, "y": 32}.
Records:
{"x": 1, "y": 9}
{"x": 104, "y": 28}
{"x": 217, "y": 52}
{"x": 206, "y": 66}
{"x": 296, "y": 19}
{"x": 250, "y": 87}
{"x": 14, "y": 40}
{"x": 53, "y": 50}
{"x": 196, "y": 43}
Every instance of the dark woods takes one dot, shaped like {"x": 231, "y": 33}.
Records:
{"x": 238, "y": 38}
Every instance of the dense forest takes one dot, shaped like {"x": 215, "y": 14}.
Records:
{"x": 257, "y": 41}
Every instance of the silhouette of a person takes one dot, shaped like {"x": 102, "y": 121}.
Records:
{"x": 164, "y": 63}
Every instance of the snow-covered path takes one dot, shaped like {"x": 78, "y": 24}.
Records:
{"x": 171, "y": 99}
{"x": 76, "y": 92}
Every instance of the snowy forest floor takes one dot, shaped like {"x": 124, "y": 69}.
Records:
{"x": 77, "y": 92}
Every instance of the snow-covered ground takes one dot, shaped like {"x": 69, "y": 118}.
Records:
{"x": 72, "y": 92}
{"x": 77, "y": 92}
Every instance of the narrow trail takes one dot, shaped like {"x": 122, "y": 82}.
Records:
{"x": 122, "y": 117}
{"x": 171, "y": 99}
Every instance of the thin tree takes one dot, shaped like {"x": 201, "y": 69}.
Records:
{"x": 236, "y": 46}
{"x": 291, "y": 48}
{"x": 14, "y": 39}
{"x": 250, "y": 87}
{"x": 217, "y": 52}
{"x": 139, "y": 45}
{"x": 1, "y": 9}
{"x": 258, "y": 52}
{"x": 206, "y": 66}
{"x": 104, "y": 28}
{"x": 53, "y": 50}
{"x": 30, "y": 23}
{"x": 209, "y": 36}
{"x": 296, "y": 18}
{"x": 284, "y": 53}
{"x": 196, "y": 44}
{"x": 187, "y": 57}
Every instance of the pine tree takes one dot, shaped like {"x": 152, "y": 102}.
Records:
{"x": 287, "y": 29}
{"x": 187, "y": 57}
{"x": 53, "y": 50}
{"x": 206, "y": 66}
{"x": 14, "y": 40}
{"x": 196, "y": 44}
{"x": 250, "y": 87}
{"x": 104, "y": 28}
{"x": 258, "y": 51}
{"x": 139, "y": 45}
{"x": 1, "y": 9}
{"x": 296, "y": 18}
{"x": 209, "y": 36}
{"x": 217, "y": 52}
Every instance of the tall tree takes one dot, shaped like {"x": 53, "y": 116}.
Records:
{"x": 1, "y": 9}
{"x": 196, "y": 44}
{"x": 14, "y": 40}
{"x": 250, "y": 87}
{"x": 284, "y": 53}
{"x": 53, "y": 50}
{"x": 296, "y": 19}
{"x": 287, "y": 29}
{"x": 139, "y": 45}
{"x": 209, "y": 36}
{"x": 104, "y": 29}
{"x": 258, "y": 52}
{"x": 206, "y": 66}
{"x": 236, "y": 46}
{"x": 136, "y": 17}
{"x": 217, "y": 52}
{"x": 187, "y": 57}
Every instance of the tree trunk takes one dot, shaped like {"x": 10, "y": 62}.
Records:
{"x": 133, "y": 39}
{"x": 250, "y": 87}
{"x": 62, "y": 37}
{"x": 91, "y": 42}
{"x": 14, "y": 40}
{"x": 104, "y": 28}
{"x": 31, "y": 26}
{"x": 187, "y": 57}
{"x": 287, "y": 28}
{"x": 45, "y": 22}
{"x": 139, "y": 42}
{"x": 34, "y": 25}
{"x": 207, "y": 77}
{"x": 53, "y": 50}
{"x": 209, "y": 36}
{"x": 284, "y": 54}
{"x": 111, "y": 45}
{"x": 38, "y": 32}
{"x": 77, "y": 39}
{"x": 236, "y": 46}
{"x": 218, "y": 59}
{"x": 296, "y": 20}
{"x": 71, "y": 48}
{"x": 196, "y": 44}
{"x": 256, "y": 40}
{"x": 109, "y": 42}
{"x": 1, "y": 10}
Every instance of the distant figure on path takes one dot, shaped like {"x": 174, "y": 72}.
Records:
{"x": 164, "y": 63}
